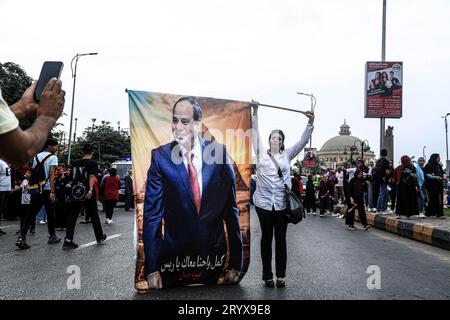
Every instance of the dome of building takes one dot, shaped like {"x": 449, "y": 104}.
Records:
{"x": 337, "y": 149}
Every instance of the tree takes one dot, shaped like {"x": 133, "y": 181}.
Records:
{"x": 109, "y": 144}
{"x": 14, "y": 81}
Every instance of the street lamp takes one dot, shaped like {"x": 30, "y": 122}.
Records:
{"x": 74, "y": 76}
{"x": 364, "y": 146}
{"x": 446, "y": 132}
{"x": 352, "y": 149}
{"x": 423, "y": 152}
{"x": 313, "y": 106}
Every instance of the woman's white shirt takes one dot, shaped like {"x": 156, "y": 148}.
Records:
{"x": 269, "y": 186}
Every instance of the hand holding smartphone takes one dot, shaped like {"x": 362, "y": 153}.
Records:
{"x": 50, "y": 69}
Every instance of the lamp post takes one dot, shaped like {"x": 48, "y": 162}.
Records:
{"x": 351, "y": 149}
{"x": 74, "y": 76}
{"x": 446, "y": 132}
{"x": 364, "y": 147}
{"x": 313, "y": 105}
{"x": 423, "y": 152}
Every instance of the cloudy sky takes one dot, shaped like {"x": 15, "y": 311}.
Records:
{"x": 243, "y": 50}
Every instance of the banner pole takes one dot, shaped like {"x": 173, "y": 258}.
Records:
{"x": 281, "y": 108}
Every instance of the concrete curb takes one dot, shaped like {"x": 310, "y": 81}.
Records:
{"x": 425, "y": 232}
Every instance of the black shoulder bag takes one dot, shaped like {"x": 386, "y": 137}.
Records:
{"x": 294, "y": 205}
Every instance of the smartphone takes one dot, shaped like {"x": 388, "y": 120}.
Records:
{"x": 50, "y": 69}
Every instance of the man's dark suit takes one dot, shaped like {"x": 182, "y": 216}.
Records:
{"x": 168, "y": 196}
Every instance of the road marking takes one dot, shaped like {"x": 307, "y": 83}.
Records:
{"x": 10, "y": 226}
{"x": 95, "y": 242}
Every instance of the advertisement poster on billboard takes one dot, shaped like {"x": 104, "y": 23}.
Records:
{"x": 310, "y": 159}
{"x": 384, "y": 89}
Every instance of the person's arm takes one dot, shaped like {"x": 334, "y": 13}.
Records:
{"x": 17, "y": 146}
{"x": 152, "y": 224}
{"x": 432, "y": 177}
{"x": 91, "y": 186}
{"x": 258, "y": 147}
{"x": 52, "y": 196}
{"x": 293, "y": 151}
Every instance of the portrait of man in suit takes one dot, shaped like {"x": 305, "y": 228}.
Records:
{"x": 191, "y": 230}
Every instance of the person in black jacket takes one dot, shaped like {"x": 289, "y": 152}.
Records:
{"x": 323, "y": 195}
{"x": 129, "y": 193}
{"x": 310, "y": 196}
{"x": 357, "y": 187}
{"x": 383, "y": 170}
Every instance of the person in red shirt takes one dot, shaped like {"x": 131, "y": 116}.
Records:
{"x": 111, "y": 193}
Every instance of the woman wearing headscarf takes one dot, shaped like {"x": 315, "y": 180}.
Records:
{"x": 406, "y": 180}
{"x": 434, "y": 175}
{"x": 269, "y": 197}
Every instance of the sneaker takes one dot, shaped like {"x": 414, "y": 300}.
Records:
{"x": 367, "y": 228}
{"x": 22, "y": 244}
{"x": 314, "y": 213}
{"x": 107, "y": 221}
{"x": 422, "y": 216}
{"x": 53, "y": 239}
{"x": 110, "y": 221}
{"x": 42, "y": 222}
{"x": 32, "y": 232}
{"x": 391, "y": 211}
{"x": 441, "y": 217}
{"x": 335, "y": 215}
{"x": 308, "y": 213}
{"x": 69, "y": 245}
{"x": 398, "y": 217}
{"x": 85, "y": 221}
{"x": 351, "y": 228}
{"x": 102, "y": 240}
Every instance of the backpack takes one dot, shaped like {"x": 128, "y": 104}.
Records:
{"x": 38, "y": 178}
{"x": 409, "y": 177}
{"x": 80, "y": 184}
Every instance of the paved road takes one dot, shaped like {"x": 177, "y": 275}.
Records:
{"x": 325, "y": 262}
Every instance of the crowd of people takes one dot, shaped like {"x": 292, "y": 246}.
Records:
{"x": 57, "y": 194}
{"x": 412, "y": 188}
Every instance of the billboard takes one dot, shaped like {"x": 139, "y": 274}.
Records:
{"x": 310, "y": 159}
{"x": 383, "y": 89}
{"x": 193, "y": 189}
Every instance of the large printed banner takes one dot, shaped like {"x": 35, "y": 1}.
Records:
{"x": 383, "y": 98}
{"x": 192, "y": 166}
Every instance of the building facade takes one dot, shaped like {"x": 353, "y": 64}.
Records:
{"x": 344, "y": 148}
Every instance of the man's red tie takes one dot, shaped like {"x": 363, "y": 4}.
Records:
{"x": 194, "y": 181}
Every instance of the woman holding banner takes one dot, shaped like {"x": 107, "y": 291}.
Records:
{"x": 269, "y": 197}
